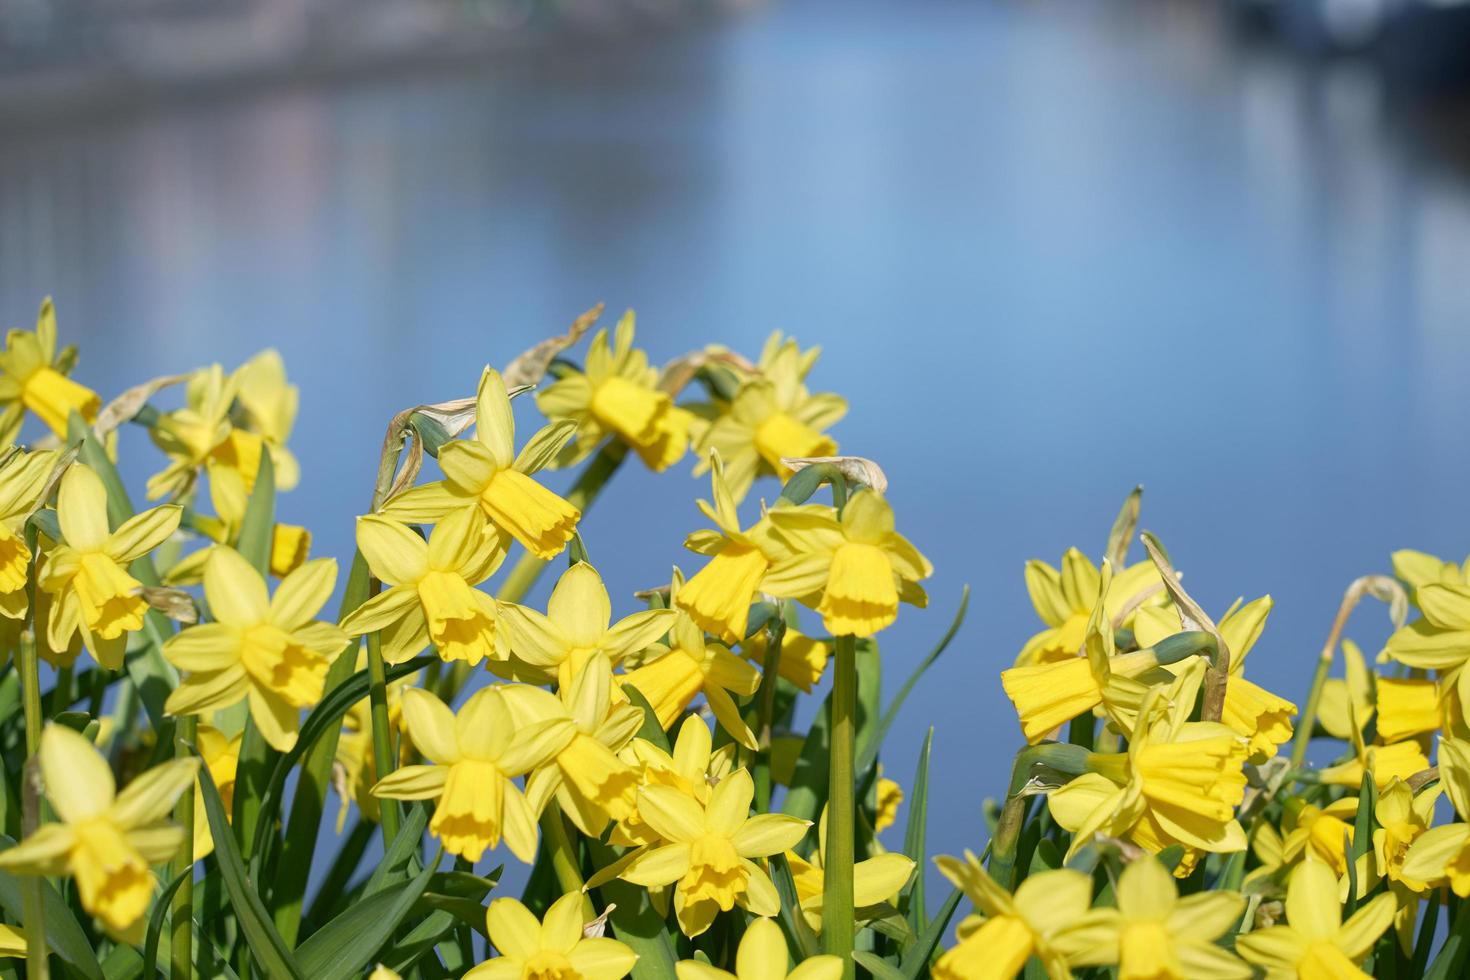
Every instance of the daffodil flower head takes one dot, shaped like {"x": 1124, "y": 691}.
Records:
{"x": 673, "y": 675}
{"x": 1410, "y": 706}
{"x": 105, "y": 840}
{"x": 1401, "y": 817}
{"x": 474, "y": 756}
{"x": 23, "y": 479}
{"x": 1320, "y": 833}
{"x": 875, "y": 880}
{"x": 556, "y": 948}
{"x": 266, "y": 649}
{"x": 486, "y": 474}
{"x": 890, "y": 798}
{"x": 618, "y": 394}
{"x": 719, "y": 595}
{"x": 762, "y": 955}
{"x": 709, "y": 851}
{"x": 1156, "y": 935}
{"x": 1065, "y": 600}
{"x": 431, "y": 599}
{"x": 190, "y": 435}
{"x": 852, "y": 570}
{"x": 693, "y": 768}
{"x": 590, "y": 782}
{"x": 269, "y": 404}
{"x": 577, "y": 625}
{"x": 1315, "y": 942}
{"x": 1442, "y": 854}
{"x": 773, "y": 417}
{"x": 803, "y": 658}
{"x": 88, "y": 575}
{"x": 33, "y": 378}
{"x": 1006, "y": 930}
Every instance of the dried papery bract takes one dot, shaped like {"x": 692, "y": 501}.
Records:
{"x": 855, "y": 469}
{"x": 531, "y": 366}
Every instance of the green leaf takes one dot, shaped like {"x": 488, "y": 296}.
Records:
{"x": 63, "y": 933}
{"x": 259, "y": 523}
{"x": 651, "y": 731}
{"x": 404, "y": 847}
{"x": 869, "y": 755}
{"x": 799, "y": 936}
{"x": 156, "y": 921}
{"x": 422, "y": 938}
{"x": 911, "y": 899}
{"x": 880, "y": 968}
{"x": 634, "y": 921}
{"x": 1425, "y": 940}
{"x": 916, "y": 961}
{"x": 123, "y": 963}
{"x": 808, "y": 790}
{"x": 1450, "y": 963}
{"x": 266, "y": 945}
{"x": 344, "y": 946}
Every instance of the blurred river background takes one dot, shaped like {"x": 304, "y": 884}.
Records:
{"x": 1050, "y": 250}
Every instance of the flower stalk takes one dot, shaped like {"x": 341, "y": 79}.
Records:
{"x": 183, "y": 901}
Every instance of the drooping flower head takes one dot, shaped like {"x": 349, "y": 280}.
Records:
{"x": 33, "y": 378}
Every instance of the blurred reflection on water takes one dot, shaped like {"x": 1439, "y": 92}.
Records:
{"x": 1050, "y": 252}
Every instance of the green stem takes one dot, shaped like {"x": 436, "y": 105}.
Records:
{"x": 775, "y": 633}
{"x": 383, "y": 758}
{"x": 563, "y": 854}
{"x": 32, "y": 910}
{"x": 183, "y": 903}
{"x": 1308, "y": 720}
{"x": 838, "y": 925}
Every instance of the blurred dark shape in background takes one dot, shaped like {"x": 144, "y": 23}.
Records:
{"x": 59, "y": 55}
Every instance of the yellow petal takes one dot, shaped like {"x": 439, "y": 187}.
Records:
{"x": 762, "y": 951}
{"x": 671, "y": 814}
{"x": 561, "y": 928}
{"x": 1311, "y": 901}
{"x": 396, "y": 555}
{"x": 143, "y": 532}
{"x": 152, "y": 795}
{"x": 579, "y": 605}
{"x": 81, "y": 509}
{"x": 78, "y": 780}
{"x": 512, "y": 927}
{"x": 494, "y": 421}
{"x": 235, "y": 590}
{"x": 1146, "y": 890}
{"x": 431, "y": 724}
{"x": 302, "y": 593}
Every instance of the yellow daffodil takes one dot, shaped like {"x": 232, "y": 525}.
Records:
{"x": 474, "y": 756}
{"x": 269, "y": 402}
{"x": 88, "y": 574}
{"x": 23, "y": 479}
{"x": 221, "y": 756}
{"x": 1179, "y": 782}
{"x": 890, "y": 798}
{"x": 1348, "y": 703}
{"x": 1401, "y": 817}
{"x": 486, "y": 476}
{"x": 12, "y": 941}
{"x": 1065, "y": 601}
{"x": 1320, "y": 833}
{"x": 762, "y": 956}
{"x": 430, "y": 599}
{"x": 577, "y": 625}
{"x": 106, "y": 840}
{"x": 874, "y": 880}
{"x": 853, "y": 571}
{"x": 1251, "y": 710}
{"x": 556, "y": 948}
{"x": 1417, "y": 568}
{"x": 32, "y": 377}
{"x": 354, "y": 770}
{"x": 719, "y": 595}
{"x": 1442, "y": 854}
{"x": 1041, "y": 919}
{"x": 267, "y": 650}
{"x": 589, "y": 781}
{"x": 1407, "y": 707}
{"x": 1156, "y": 935}
{"x": 672, "y": 676}
{"x": 803, "y": 658}
{"x": 1440, "y": 638}
{"x": 1315, "y": 942}
{"x": 618, "y": 395}
{"x": 773, "y": 417}
{"x": 709, "y": 851}
{"x": 1387, "y": 762}
{"x": 693, "y": 769}
{"x": 190, "y": 435}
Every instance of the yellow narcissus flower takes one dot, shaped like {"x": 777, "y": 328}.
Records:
{"x": 106, "y": 840}
{"x": 672, "y": 676}
{"x": 1179, "y": 782}
{"x": 430, "y": 599}
{"x": 190, "y": 435}
{"x": 12, "y": 941}
{"x": 1440, "y": 638}
{"x": 1320, "y": 833}
{"x": 221, "y": 756}
{"x": 1315, "y": 942}
{"x": 1417, "y": 568}
{"x": 556, "y": 948}
{"x": 1387, "y": 762}
{"x": 1156, "y": 935}
{"x": 1348, "y": 703}
{"x": 1250, "y": 709}
{"x": 1407, "y": 707}
{"x": 1442, "y": 854}
{"x": 474, "y": 756}
{"x": 719, "y": 595}
{"x": 589, "y": 781}
{"x": 1005, "y": 930}
{"x": 773, "y": 417}
{"x": 577, "y": 625}
{"x": 618, "y": 395}
{"x": 484, "y": 475}
{"x": 1401, "y": 817}
{"x": 709, "y": 851}
{"x": 88, "y": 576}
{"x": 32, "y": 378}
{"x": 890, "y": 798}
{"x": 852, "y": 570}
{"x": 762, "y": 956}
{"x": 268, "y": 650}
{"x": 874, "y": 880}
{"x": 1065, "y": 601}
{"x": 269, "y": 402}
{"x": 693, "y": 769}
{"x": 803, "y": 658}
{"x": 23, "y": 478}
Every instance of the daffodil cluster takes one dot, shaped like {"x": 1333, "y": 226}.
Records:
{"x": 209, "y": 728}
